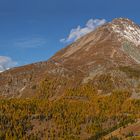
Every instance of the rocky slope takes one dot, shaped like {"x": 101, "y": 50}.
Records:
{"x": 108, "y": 57}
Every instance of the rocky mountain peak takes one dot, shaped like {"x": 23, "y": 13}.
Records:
{"x": 122, "y": 20}
{"x": 126, "y": 29}
{"x": 108, "y": 42}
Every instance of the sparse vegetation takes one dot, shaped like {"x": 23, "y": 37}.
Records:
{"x": 131, "y": 72}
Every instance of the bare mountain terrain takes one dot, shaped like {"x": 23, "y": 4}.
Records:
{"x": 111, "y": 52}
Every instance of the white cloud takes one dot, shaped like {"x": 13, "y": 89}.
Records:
{"x": 30, "y": 42}
{"x": 6, "y": 63}
{"x": 78, "y": 32}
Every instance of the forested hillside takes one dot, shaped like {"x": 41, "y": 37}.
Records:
{"x": 80, "y": 113}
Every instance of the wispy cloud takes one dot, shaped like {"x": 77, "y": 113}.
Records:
{"x": 6, "y": 63}
{"x": 78, "y": 32}
{"x": 30, "y": 42}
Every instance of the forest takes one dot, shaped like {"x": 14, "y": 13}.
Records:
{"x": 80, "y": 113}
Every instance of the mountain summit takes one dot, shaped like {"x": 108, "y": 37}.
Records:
{"x": 127, "y": 29}
{"x": 107, "y": 42}
{"x": 108, "y": 58}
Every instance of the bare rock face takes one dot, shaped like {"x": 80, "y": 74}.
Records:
{"x": 110, "y": 54}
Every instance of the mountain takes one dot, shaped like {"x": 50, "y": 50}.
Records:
{"x": 89, "y": 90}
{"x": 110, "y": 53}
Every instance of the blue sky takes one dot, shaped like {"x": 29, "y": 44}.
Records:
{"x": 31, "y": 30}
